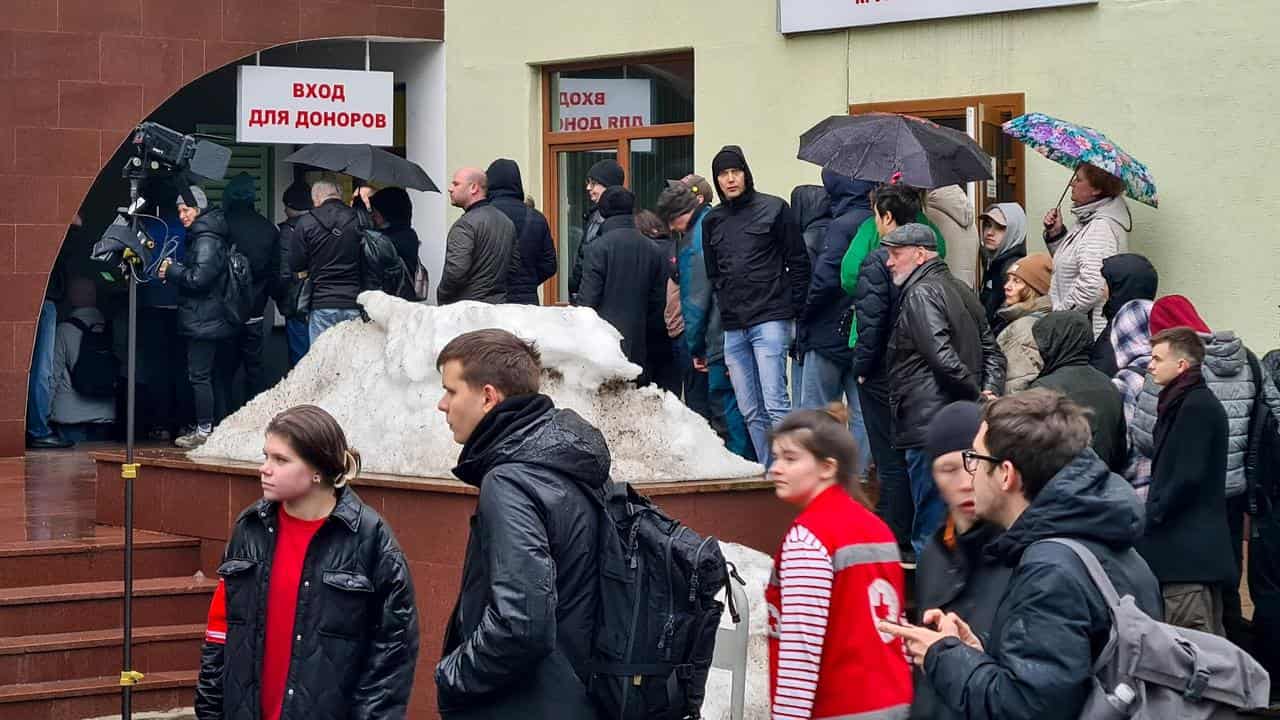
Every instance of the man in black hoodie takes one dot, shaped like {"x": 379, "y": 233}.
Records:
{"x": 533, "y": 235}
{"x": 603, "y": 175}
{"x": 1035, "y": 476}
{"x": 625, "y": 278}
{"x": 518, "y": 643}
{"x": 1129, "y": 276}
{"x": 757, "y": 263}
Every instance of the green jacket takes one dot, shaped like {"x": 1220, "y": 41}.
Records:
{"x": 863, "y": 243}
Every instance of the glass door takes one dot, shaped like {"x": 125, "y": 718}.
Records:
{"x": 571, "y": 166}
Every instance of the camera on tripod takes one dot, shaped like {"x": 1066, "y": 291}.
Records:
{"x": 157, "y": 150}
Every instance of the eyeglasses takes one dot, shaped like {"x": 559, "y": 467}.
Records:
{"x": 971, "y": 458}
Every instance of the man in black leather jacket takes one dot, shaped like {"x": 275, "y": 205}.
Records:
{"x": 518, "y": 643}
{"x": 940, "y": 350}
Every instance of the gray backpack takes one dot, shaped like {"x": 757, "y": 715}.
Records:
{"x": 1153, "y": 671}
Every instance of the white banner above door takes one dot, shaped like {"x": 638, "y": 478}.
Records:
{"x": 796, "y": 16}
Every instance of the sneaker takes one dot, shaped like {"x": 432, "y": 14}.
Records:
{"x": 192, "y": 440}
{"x": 159, "y": 435}
{"x": 48, "y": 442}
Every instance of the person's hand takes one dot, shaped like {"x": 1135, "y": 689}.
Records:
{"x": 861, "y": 379}
{"x": 164, "y": 268}
{"x": 700, "y": 364}
{"x": 1053, "y": 223}
{"x": 953, "y": 625}
{"x": 916, "y": 640}
{"x": 362, "y": 193}
{"x": 988, "y": 395}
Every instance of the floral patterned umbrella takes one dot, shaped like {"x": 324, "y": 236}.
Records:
{"x": 1069, "y": 144}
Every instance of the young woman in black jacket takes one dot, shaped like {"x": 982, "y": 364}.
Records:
{"x": 314, "y": 614}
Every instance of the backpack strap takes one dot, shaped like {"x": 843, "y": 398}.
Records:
{"x": 1091, "y": 564}
{"x": 77, "y": 322}
{"x": 1257, "y": 424}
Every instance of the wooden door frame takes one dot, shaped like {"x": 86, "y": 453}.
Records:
{"x": 1015, "y": 103}
{"x": 551, "y": 201}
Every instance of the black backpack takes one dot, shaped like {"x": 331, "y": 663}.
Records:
{"x": 96, "y": 368}
{"x": 382, "y": 268}
{"x": 237, "y": 293}
{"x": 658, "y": 616}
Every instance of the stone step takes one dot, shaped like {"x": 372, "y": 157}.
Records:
{"x": 73, "y": 607}
{"x": 97, "y": 558}
{"x": 57, "y": 656}
{"x": 95, "y": 696}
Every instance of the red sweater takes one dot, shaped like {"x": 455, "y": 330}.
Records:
{"x": 282, "y": 605}
{"x": 836, "y": 574}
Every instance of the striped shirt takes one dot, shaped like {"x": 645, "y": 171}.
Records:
{"x": 806, "y": 576}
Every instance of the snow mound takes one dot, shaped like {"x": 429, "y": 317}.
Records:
{"x": 754, "y": 567}
{"x": 379, "y": 380}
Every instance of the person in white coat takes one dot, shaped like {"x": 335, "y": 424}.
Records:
{"x": 951, "y": 211}
{"x": 1103, "y": 222}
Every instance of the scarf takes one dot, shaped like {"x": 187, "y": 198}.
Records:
{"x": 1174, "y": 391}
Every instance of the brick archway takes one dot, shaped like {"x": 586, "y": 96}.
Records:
{"x": 77, "y": 75}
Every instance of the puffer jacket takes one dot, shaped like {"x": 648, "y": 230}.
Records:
{"x": 874, "y": 298}
{"x": 1227, "y": 373}
{"x": 533, "y": 236}
{"x": 1019, "y": 345}
{"x": 940, "y": 350}
{"x": 755, "y": 256}
{"x": 812, "y": 207}
{"x": 949, "y": 209}
{"x": 357, "y": 623}
{"x": 201, "y": 279}
{"x": 519, "y": 640}
{"x": 1052, "y": 621}
{"x": 1101, "y": 230}
{"x": 826, "y": 303}
{"x": 480, "y": 254}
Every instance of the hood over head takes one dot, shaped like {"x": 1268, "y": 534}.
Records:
{"x": 1085, "y": 501}
{"x": 846, "y": 193}
{"x": 1173, "y": 311}
{"x": 810, "y": 204}
{"x": 1015, "y": 234}
{"x": 529, "y": 429}
{"x": 239, "y": 190}
{"x": 617, "y": 200}
{"x": 952, "y": 201}
{"x": 607, "y": 172}
{"x": 730, "y": 157}
{"x": 1129, "y": 276}
{"x": 1065, "y": 338}
{"x": 1132, "y": 333}
{"x": 1225, "y": 355}
{"x": 504, "y": 179}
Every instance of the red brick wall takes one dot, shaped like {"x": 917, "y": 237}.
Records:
{"x": 76, "y": 75}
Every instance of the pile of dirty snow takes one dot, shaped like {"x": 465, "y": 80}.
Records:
{"x": 380, "y": 381}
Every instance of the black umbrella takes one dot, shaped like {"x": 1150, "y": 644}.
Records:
{"x": 365, "y": 162}
{"x": 877, "y": 146}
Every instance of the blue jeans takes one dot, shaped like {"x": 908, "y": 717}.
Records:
{"x": 726, "y": 417}
{"x": 757, "y": 362}
{"x": 321, "y": 320}
{"x": 40, "y": 382}
{"x": 298, "y": 333}
{"x": 930, "y": 509}
{"x": 827, "y": 382}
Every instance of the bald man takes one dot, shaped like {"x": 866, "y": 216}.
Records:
{"x": 481, "y": 247}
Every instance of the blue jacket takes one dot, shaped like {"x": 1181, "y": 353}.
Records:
{"x": 703, "y": 331}
{"x": 826, "y": 302}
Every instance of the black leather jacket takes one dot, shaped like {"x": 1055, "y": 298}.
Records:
{"x": 356, "y": 620}
{"x": 201, "y": 278}
{"x": 940, "y": 350}
{"x": 519, "y": 640}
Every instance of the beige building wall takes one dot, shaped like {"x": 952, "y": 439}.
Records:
{"x": 1187, "y": 87}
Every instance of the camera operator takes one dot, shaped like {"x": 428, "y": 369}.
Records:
{"x": 200, "y": 280}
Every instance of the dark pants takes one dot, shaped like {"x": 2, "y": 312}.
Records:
{"x": 1232, "y": 614}
{"x": 207, "y": 363}
{"x": 298, "y": 331}
{"x": 696, "y": 389}
{"x": 895, "y": 505}
{"x": 164, "y": 396}
{"x": 726, "y": 418}
{"x": 663, "y": 365}
{"x": 248, "y": 353}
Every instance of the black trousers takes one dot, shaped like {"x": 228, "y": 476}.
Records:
{"x": 247, "y": 353}
{"x": 895, "y": 505}
{"x": 208, "y": 362}
{"x": 164, "y": 395}
{"x": 1232, "y": 613}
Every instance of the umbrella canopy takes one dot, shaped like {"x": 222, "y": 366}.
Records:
{"x": 365, "y": 162}
{"x": 1070, "y": 144}
{"x": 877, "y": 146}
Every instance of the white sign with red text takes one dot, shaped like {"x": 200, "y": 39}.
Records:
{"x": 606, "y": 104}
{"x": 306, "y": 105}
{"x": 796, "y": 16}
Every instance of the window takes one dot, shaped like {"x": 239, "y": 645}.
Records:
{"x": 637, "y": 111}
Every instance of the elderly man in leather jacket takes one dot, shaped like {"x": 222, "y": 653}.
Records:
{"x": 940, "y": 350}
{"x": 518, "y": 643}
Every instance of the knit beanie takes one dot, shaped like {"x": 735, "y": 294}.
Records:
{"x": 194, "y": 197}
{"x": 953, "y": 428}
{"x": 298, "y": 196}
{"x": 1173, "y": 311}
{"x": 617, "y": 200}
{"x": 730, "y": 157}
{"x": 1034, "y": 270}
{"x": 239, "y": 190}
{"x": 607, "y": 172}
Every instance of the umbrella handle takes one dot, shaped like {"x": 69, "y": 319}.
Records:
{"x": 1065, "y": 190}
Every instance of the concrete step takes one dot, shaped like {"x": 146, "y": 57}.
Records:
{"x": 96, "y": 558}
{"x": 73, "y": 607}
{"x": 95, "y": 696}
{"x": 57, "y": 656}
